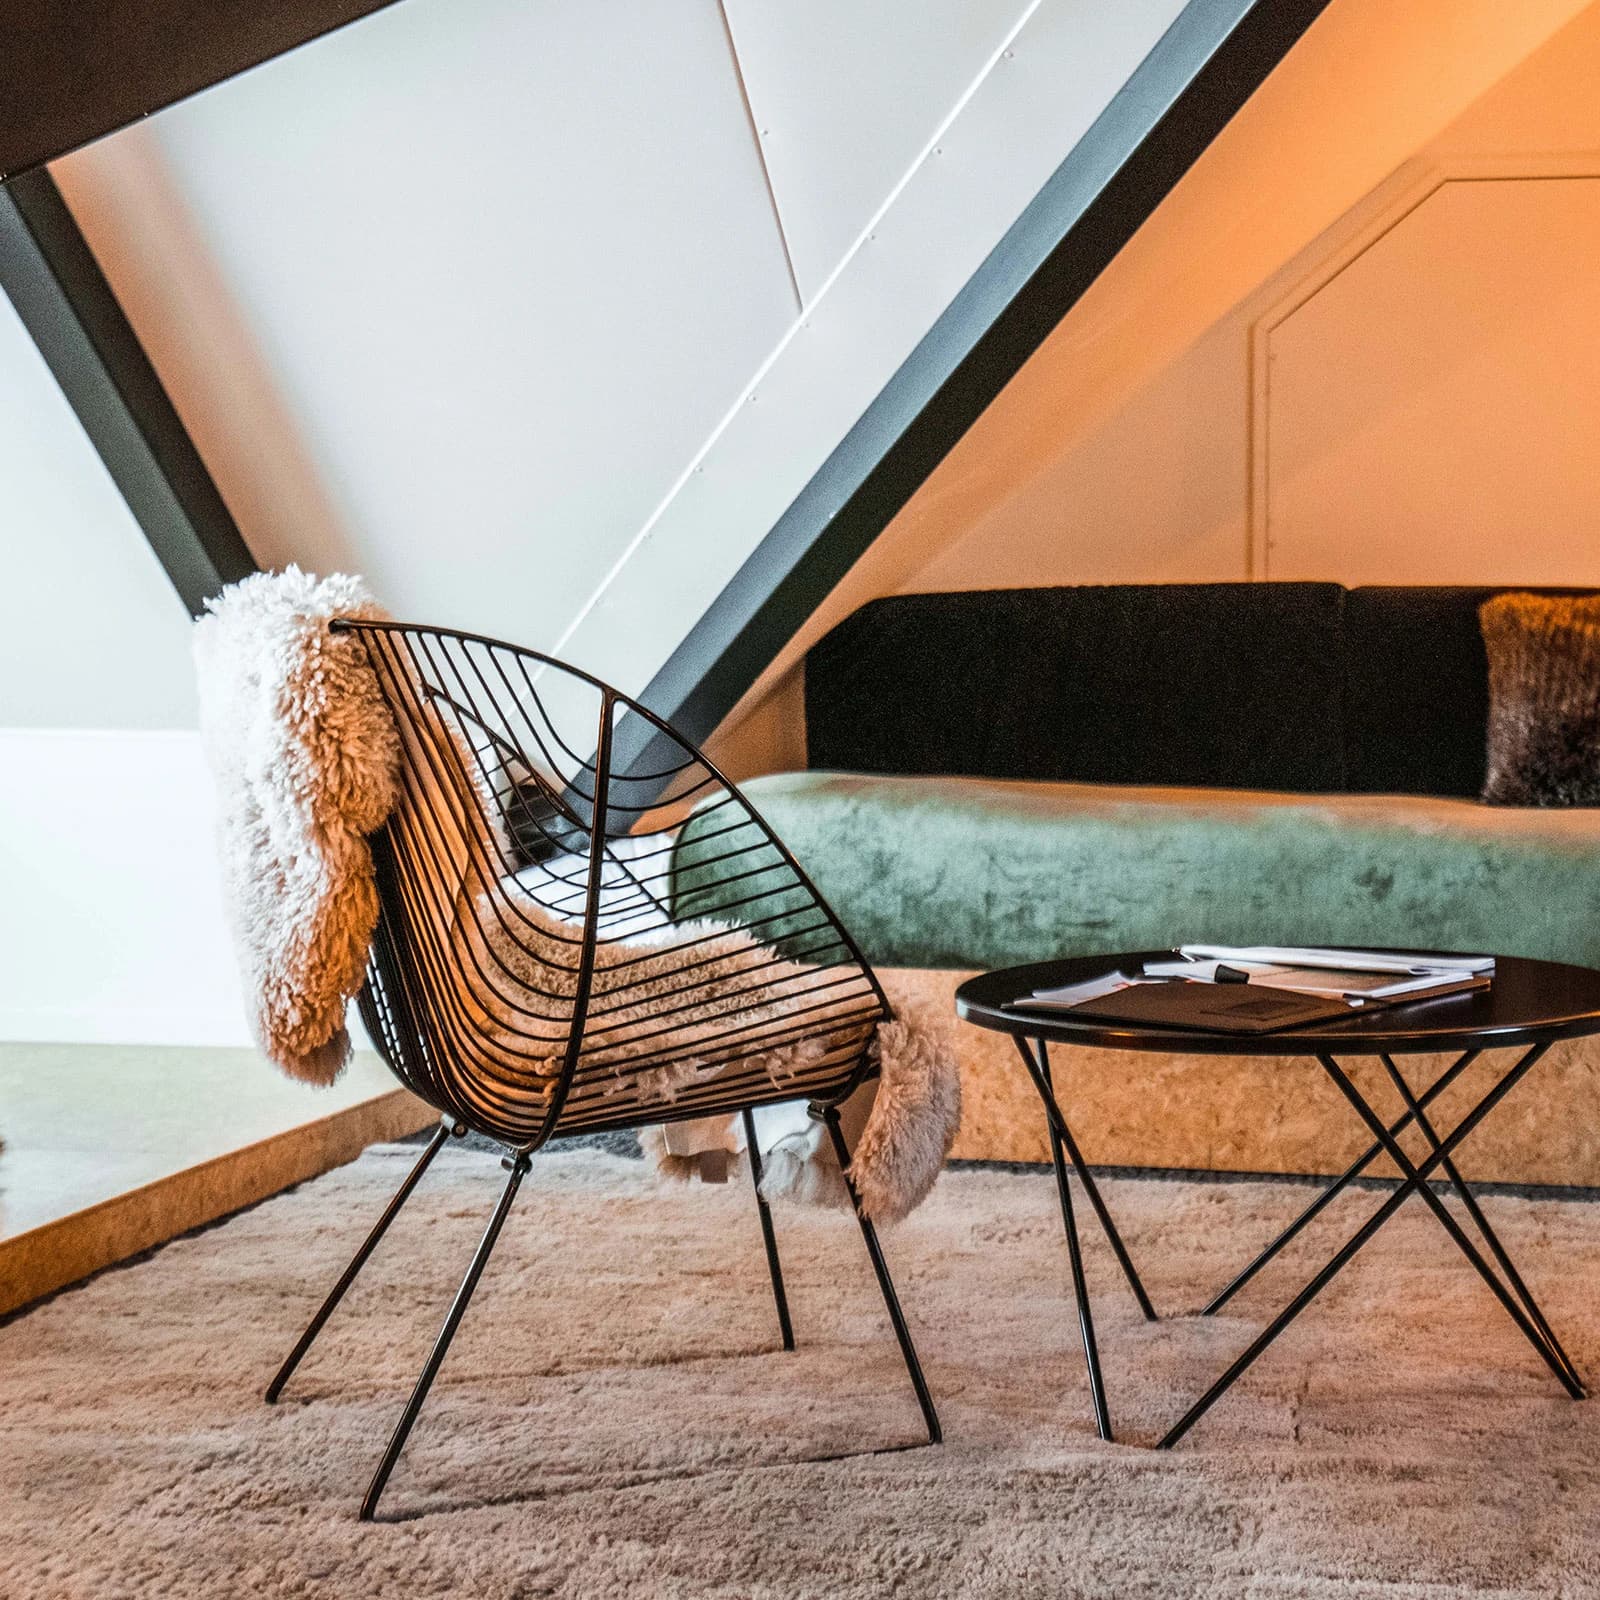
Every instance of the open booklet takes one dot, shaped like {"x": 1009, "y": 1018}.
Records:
{"x": 1338, "y": 979}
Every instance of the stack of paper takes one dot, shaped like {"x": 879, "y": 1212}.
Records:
{"x": 1355, "y": 976}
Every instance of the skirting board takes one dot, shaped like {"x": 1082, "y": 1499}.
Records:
{"x": 62, "y": 1252}
{"x": 1260, "y": 1113}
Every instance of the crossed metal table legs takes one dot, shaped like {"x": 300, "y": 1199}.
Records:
{"x": 1507, "y": 1283}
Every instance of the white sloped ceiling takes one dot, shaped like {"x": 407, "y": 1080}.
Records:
{"x": 502, "y": 265}
{"x": 479, "y": 297}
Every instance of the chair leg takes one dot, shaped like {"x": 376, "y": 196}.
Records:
{"x": 768, "y": 1237}
{"x": 402, "y": 1194}
{"x": 519, "y": 1165}
{"x": 869, "y": 1235}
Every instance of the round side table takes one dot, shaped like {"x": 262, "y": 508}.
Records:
{"x": 1529, "y": 1006}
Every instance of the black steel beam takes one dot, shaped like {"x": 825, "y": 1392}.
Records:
{"x": 50, "y": 275}
{"x": 1202, "y": 70}
{"x": 75, "y": 70}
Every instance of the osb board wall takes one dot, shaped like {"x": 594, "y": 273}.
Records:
{"x": 1264, "y": 1113}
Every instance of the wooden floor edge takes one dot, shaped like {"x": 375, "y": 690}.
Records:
{"x": 57, "y": 1254}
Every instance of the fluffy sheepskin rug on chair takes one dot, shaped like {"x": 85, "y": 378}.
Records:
{"x": 306, "y": 760}
{"x": 308, "y": 763}
{"x": 899, "y": 1125}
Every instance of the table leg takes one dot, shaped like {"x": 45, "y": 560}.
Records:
{"x": 1039, "y": 1070}
{"x": 1340, "y": 1184}
{"x": 1061, "y": 1145}
{"x": 1415, "y": 1178}
{"x": 1080, "y": 1291}
{"x": 1475, "y": 1211}
{"x": 1514, "y": 1310}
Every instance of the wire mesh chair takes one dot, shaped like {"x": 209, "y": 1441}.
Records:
{"x": 532, "y": 974}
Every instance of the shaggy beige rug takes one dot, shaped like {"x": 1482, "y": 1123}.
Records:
{"x": 616, "y": 1420}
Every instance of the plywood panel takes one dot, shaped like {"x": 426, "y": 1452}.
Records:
{"x": 1433, "y": 413}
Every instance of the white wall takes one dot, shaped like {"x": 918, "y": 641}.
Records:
{"x": 112, "y": 928}
{"x": 110, "y": 912}
{"x": 92, "y": 635}
{"x": 494, "y": 302}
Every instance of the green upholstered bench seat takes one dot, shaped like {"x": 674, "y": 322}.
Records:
{"x": 969, "y": 873}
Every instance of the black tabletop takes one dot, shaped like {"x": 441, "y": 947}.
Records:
{"x": 1529, "y": 1002}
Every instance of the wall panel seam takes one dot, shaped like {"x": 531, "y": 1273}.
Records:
{"x": 761, "y": 153}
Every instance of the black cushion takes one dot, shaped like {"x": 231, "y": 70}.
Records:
{"x": 1417, "y": 689}
{"x": 1223, "y": 685}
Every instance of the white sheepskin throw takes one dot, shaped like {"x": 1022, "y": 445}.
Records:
{"x": 899, "y": 1126}
{"x": 306, "y": 759}
{"x": 915, "y": 1112}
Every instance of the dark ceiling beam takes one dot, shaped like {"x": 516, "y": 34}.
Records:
{"x": 74, "y": 70}
{"x": 1203, "y": 69}
{"x": 52, "y": 279}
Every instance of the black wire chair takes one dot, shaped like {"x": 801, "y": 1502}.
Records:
{"x": 532, "y": 974}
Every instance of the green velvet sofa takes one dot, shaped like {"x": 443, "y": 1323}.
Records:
{"x": 1010, "y": 776}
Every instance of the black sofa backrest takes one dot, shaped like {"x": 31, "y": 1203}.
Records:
{"x": 1306, "y": 687}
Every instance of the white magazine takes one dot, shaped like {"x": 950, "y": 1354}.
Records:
{"x": 1274, "y": 955}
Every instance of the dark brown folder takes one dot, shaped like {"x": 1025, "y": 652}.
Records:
{"x": 1209, "y": 1007}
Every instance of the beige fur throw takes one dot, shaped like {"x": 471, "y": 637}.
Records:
{"x": 306, "y": 758}
{"x": 308, "y": 761}
{"x": 899, "y": 1125}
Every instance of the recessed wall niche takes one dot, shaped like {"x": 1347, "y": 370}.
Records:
{"x": 1427, "y": 403}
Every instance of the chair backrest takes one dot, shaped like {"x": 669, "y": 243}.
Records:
{"x": 532, "y": 971}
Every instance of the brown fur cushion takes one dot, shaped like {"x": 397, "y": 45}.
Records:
{"x": 1544, "y": 700}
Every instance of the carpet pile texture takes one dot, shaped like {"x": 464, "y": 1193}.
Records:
{"x": 616, "y": 1419}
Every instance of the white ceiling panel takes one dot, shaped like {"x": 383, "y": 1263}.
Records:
{"x": 845, "y": 95}
{"x": 505, "y": 266}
